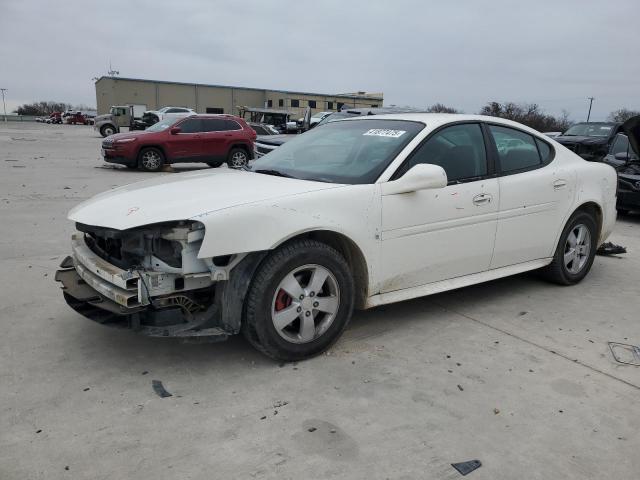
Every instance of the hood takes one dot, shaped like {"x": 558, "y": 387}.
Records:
{"x": 106, "y": 116}
{"x": 632, "y": 128}
{"x": 123, "y": 135}
{"x": 576, "y": 139}
{"x": 275, "y": 139}
{"x": 184, "y": 196}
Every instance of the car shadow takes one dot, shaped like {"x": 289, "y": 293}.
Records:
{"x": 122, "y": 347}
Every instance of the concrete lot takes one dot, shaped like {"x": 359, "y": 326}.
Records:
{"x": 515, "y": 373}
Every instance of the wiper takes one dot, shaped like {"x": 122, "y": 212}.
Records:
{"x": 275, "y": 173}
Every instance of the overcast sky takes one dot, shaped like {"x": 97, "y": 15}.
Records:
{"x": 461, "y": 53}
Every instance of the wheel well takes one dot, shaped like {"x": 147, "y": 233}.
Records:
{"x": 351, "y": 253}
{"x": 157, "y": 147}
{"x": 242, "y": 146}
{"x": 594, "y": 209}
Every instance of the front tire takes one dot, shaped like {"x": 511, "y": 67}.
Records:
{"x": 107, "y": 130}
{"x": 214, "y": 164}
{"x": 575, "y": 251}
{"x": 150, "y": 159}
{"x": 300, "y": 300}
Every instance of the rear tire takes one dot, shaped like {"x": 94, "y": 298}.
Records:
{"x": 575, "y": 251}
{"x": 214, "y": 164}
{"x": 150, "y": 159}
{"x": 294, "y": 326}
{"x": 237, "y": 158}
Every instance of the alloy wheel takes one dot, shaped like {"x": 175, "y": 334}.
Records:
{"x": 151, "y": 160}
{"x": 238, "y": 159}
{"x": 577, "y": 249}
{"x": 305, "y": 303}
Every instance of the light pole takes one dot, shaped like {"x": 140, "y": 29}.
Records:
{"x": 4, "y": 106}
{"x": 591, "y": 99}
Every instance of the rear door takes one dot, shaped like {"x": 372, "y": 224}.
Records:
{"x": 535, "y": 196}
{"x": 214, "y": 139}
{"x": 186, "y": 146}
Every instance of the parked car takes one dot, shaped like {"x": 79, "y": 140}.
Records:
{"x": 316, "y": 118}
{"x": 120, "y": 116}
{"x": 590, "y": 140}
{"x": 354, "y": 214}
{"x": 624, "y": 156}
{"x": 151, "y": 117}
{"x": 212, "y": 139}
{"x": 55, "y": 117}
{"x": 263, "y": 129}
{"x": 265, "y": 145}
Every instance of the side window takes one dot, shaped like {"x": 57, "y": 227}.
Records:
{"x": 269, "y": 103}
{"x": 459, "y": 149}
{"x": 329, "y": 105}
{"x": 231, "y": 125}
{"x": 281, "y": 102}
{"x": 620, "y": 144}
{"x": 259, "y": 130}
{"x": 312, "y": 104}
{"x": 295, "y": 102}
{"x": 191, "y": 125}
{"x": 212, "y": 125}
{"x": 516, "y": 150}
{"x": 545, "y": 151}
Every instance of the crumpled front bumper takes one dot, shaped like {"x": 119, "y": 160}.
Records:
{"x": 145, "y": 302}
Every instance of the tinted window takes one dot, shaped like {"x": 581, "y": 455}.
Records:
{"x": 173, "y": 110}
{"x": 458, "y": 149}
{"x": 192, "y": 125}
{"x": 259, "y": 130}
{"x": 231, "y": 125}
{"x": 516, "y": 150}
{"x": 295, "y": 103}
{"x": 312, "y": 104}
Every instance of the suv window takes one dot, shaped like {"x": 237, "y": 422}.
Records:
{"x": 516, "y": 150}
{"x": 219, "y": 125}
{"x": 232, "y": 125}
{"x": 191, "y": 125}
{"x": 459, "y": 149}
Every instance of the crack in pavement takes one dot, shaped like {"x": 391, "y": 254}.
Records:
{"x": 542, "y": 347}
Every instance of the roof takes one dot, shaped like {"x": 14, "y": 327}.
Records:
{"x": 337, "y": 95}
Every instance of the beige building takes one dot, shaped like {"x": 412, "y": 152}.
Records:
{"x": 154, "y": 94}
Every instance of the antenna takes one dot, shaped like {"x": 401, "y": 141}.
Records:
{"x": 112, "y": 72}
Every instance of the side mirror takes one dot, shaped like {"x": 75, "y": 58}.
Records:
{"x": 621, "y": 156}
{"x": 175, "y": 130}
{"x": 420, "y": 177}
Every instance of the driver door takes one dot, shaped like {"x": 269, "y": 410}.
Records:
{"x": 433, "y": 235}
{"x": 186, "y": 146}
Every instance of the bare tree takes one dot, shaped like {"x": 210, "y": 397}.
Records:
{"x": 42, "y": 108}
{"x": 440, "y": 108}
{"x": 622, "y": 115}
{"x": 529, "y": 114}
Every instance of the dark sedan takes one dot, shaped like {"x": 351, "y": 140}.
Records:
{"x": 590, "y": 140}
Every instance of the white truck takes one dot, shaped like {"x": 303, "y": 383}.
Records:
{"x": 120, "y": 116}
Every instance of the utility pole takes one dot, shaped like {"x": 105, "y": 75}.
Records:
{"x": 4, "y": 106}
{"x": 591, "y": 99}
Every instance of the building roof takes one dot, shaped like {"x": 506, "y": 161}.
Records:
{"x": 363, "y": 96}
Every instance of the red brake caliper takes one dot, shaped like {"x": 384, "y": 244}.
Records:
{"x": 283, "y": 300}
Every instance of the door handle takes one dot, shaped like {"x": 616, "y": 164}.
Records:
{"x": 482, "y": 199}
{"x": 558, "y": 184}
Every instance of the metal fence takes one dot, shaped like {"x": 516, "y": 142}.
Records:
{"x": 18, "y": 118}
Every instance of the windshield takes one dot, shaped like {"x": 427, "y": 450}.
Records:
{"x": 590, "y": 130}
{"x": 352, "y": 152}
{"x": 336, "y": 116}
{"x": 162, "y": 125}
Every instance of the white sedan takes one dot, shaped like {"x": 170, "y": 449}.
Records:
{"x": 351, "y": 215}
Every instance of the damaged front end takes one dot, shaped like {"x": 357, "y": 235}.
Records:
{"x": 149, "y": 279}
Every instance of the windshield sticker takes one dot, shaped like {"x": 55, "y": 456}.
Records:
{"x": 384, "y": 132}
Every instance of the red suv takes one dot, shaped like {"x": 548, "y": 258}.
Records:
{"x": 212, "y": 139}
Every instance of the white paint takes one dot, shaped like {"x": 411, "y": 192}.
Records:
{"x": 414, "y": 243}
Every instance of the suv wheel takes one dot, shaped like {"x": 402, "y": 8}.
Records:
{"x": 300, "y": 300}
{"x": 575, "y": 251}
{"x": 151, "y": 159}
{"x": 237, "y": 158}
